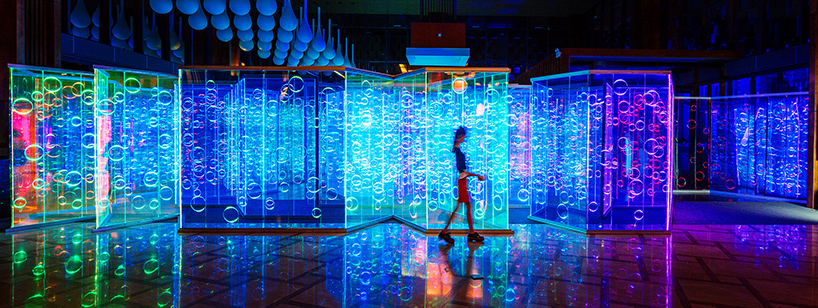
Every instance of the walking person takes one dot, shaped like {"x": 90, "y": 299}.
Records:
{"x": 462, "y": 190}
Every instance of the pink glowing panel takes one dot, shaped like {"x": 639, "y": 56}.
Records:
{"x": 601, "y": 149}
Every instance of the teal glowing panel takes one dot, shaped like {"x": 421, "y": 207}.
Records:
{"x": 137, "y": 157}
{"x": 519, "y": 146}
{"x": 52, "y": 145}
{"x": 383, "y": 150}
{"x": 478, "y": 101}
{"x": 399, "y": 135}
{"x": 759, "y": 145}
{"x": 251, "y": 154}
{"x": 602, "y": 150}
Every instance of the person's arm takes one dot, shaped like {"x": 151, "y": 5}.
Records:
{"x": 466, "y": 174}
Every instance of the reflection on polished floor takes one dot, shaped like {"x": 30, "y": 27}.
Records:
{"x": 392, "y": 265}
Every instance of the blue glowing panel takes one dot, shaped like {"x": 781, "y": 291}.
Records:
{"x": 760, "y": 145}
{"x": 251, "y": 149}
{"x": 519, "y": 146}
{"x": 602, "y": 150}
{"x": 52, "y": 145}
{"x": 137, "y": 145}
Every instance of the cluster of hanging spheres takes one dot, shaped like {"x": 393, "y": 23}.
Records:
{"x": 291, "y": 41}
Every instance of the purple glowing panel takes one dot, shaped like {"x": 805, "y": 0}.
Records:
{"x": 601, "y": 149}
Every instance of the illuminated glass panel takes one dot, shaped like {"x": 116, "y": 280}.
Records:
{"x": 519, "y": 146}
{"x": 378, "y": 148}
{"x": 479, "y": 102}
{"x": 52, "y": 145}
{"x": 760, "y": 144}
{"x": 137, "y": 146}
{"x": 602, "y": 150}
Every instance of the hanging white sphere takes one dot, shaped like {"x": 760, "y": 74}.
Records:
{"x": 81, "y": 32}
{"x": 300, "y": 46}
{"x": 282, "y": 46}
{"x": 243, "y": 22}
{"x": 245, "y": 35}
{"x": 266, "y": 7}
{"x": 198, "y": 20}
{"x": 265, "y": 36}
{"x": 246, "y": 45}
{"x": 187, "y": 6}
{"x": 162, "y": 6}
{"x": 284, "y": 35}
{"x": 304, "y": 31}
{"x": 95, "y": 32}
{"x": 95, "y": 17}
{"x": 264, "y": 54}
{"x": 264, "y": 45}
{"x": 278, "y": 60}
{"x": 281, "y": 54}
{"x": 240, "y": 7}
{"x": 266, "y": 23}
{"x": 121, "y": 30}
{"x": 221, "y": 21}
{"x": 80, "y": 17}
{"x": 288, "y": 21}
{"x": 215, "y": 7}
{"x": 225, "y": 35}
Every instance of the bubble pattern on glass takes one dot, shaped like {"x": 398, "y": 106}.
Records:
{"x": 52, "y": 150}
{"x": 599, "y": 144}
{"x": 383, "y": 147}
{"x": 480, "y": 103}
{"x": 693, "y": 144}
{"x": 760, "y": 145}
{"x": 138, "y": 153}
{"x": 519, "y": 146}
{"x": 398, "y": 142}
{"x": 249, "y": 141}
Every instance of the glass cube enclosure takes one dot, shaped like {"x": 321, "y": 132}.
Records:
{"x": 52, "y": 145}
{"x": 326, "y": 149}
{"x": 398, "y": 141}
{"x": 601, "y": 150}
{"x": 250, "y": 152}
{"x": 478, "y": 100}
{"x": 759, "y": 144}
{"x": 137, "y": 143}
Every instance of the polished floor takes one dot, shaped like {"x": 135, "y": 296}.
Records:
{"x": 392, "y": 265}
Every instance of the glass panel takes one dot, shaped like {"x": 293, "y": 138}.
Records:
{"x": 138, "y": 150}
{"x": 53, "y": 145}
{"x": 601, "y": 150}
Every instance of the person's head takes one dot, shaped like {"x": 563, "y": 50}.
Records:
{"x": 459, "y": 136}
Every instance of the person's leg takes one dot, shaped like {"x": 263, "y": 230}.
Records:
{"x": 469, "y": 217}
{"x": 446, "y": 228}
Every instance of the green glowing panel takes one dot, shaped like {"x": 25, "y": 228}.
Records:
{"x": 52, "y": 145}
{"x": 137, "y": 145}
